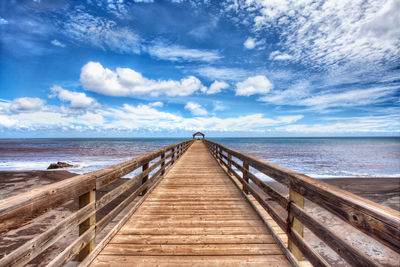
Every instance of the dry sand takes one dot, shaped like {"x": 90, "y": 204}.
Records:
{"x": 385, "y": 191}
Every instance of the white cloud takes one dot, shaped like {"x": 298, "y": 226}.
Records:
{"x": 77, "y": 100}
{"x": 180, "y": 53}
{"x": 250, "y": 43}
{"x": 195, "y": 108}
{"x": 300, "y": 96}
{"x": 3, "y": 21}
{"x": 329, "y": 33}
{"x": 347, "y": 125}
{"x": 156, "y": 104}
{"x": 277, "y": 55}
{"x": 254, "y": 85}
{"x": 292, "y": 95}
{"x": 57, "y": 43}
{"x": 228, "y": 74}
{"x": 127, "y": 82}
{"x": 100, "y": 32}
{"x": 131, "y": 118}
{"x": 219, "y": 106}
{"x": 6, "y": 122}
{"x": 216, "y": 87}
{"x": 26, "y": 104}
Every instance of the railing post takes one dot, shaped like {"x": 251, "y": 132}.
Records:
{"x": 172, "y": 156}
{"x": 294, "y": 224}
{"x": 84, "y": 200}
{"x": 229, "y": 164}
{"x": 145, "y": 178}
{"x": 162, "y": 163}
{"x": 245, "y": 177}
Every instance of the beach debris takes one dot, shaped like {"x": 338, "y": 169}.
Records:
{"x": 59, "y": 165}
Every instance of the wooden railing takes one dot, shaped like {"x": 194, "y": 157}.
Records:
{"x": 377, "y": 221}
{"x": 21, "y": 208}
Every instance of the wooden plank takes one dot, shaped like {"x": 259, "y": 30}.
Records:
{"x": 196, "y": 212}
{"x": 184, "y": 206}
{"x": 231, "y": 260}
{"x": 76, "y": 247}
{"x": 192, "y": 249}
{"x": 222, "y": 230}
{"x": 209, "y": 217}
{"x": 198, "y": 223}
{"x": 193, "y": 239}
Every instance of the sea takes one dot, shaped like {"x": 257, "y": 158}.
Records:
{"x": 316, "y": 157}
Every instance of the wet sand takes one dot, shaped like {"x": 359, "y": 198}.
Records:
{"x": 384, "y": 191}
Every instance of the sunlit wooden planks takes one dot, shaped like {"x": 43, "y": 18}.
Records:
{"x": 195, "y": 216}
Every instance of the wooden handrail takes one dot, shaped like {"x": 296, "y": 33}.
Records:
{"x": 21, "y": 208}
{"x": 379, "y": 222}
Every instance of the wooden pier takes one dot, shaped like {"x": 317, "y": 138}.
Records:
{"x": 196, "y": 203}
{"x": 196, "y": 215}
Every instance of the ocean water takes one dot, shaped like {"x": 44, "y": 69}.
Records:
{"x": 316, "y": 157}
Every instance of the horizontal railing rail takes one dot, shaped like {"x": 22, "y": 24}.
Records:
{"x": 22, "y": 208}
{"x": 379, "y": 222}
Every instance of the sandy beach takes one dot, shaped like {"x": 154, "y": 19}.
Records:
{"x": 384, "y": 191}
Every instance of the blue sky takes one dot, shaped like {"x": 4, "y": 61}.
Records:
{"x": 228, "y": 68}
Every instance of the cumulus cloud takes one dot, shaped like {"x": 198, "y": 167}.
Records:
{"x": 128, "y": 82}
{"x": 250, "y": 43}
{"x": 180, "y": 53}
{"x": 6, "y": 122}
{"x": 253, "y": 85}
{"x": 55, "y": 42}
{"x": 157, "y": 104}
{"x": 77, "y": 100}
{"x": 195, "y": 108}
{"x": 26, "y": 104}
{"x": 216, "y": 87}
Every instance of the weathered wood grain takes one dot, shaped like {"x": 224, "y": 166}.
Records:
{"x": 193, "y": 239}
{"x": 192, "y": 249}
{"x": 40, "y": 243}
{"x": 183, "y": 261}
{"x": 84, "y": 200}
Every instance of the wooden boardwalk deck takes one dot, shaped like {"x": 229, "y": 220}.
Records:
{"x": 195, "y": 216}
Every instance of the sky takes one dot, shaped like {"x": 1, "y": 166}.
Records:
{"x": 148, "y": 68}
